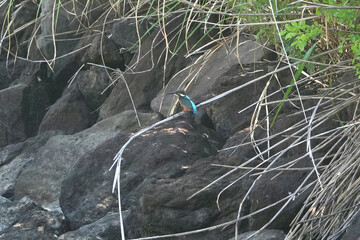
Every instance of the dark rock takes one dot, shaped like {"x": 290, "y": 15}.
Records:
{"x": 213, "y": 73}
{"x": 41, "y": 180}
{"x": 103, "y": 51}
{"x": 35, "y": 223}
{"x": 347, "y": 81}
{"x": 36, "y": 96}
{"x": 10, "y": 71}
{"x": 25, "y": 14}
{"x": 175, "y": 167}
{"x": 69, "y": 114}
{"x": 65, "y": 23}
{"x": 12, "y": 126}
{"x": 125, "y": 35}
{"x": 5, "y": 79}
{"x": 127, "y": 121}
{"x": 270, "y": 189}
{"x": 222, "y": 72}
{"x": 86, "y": 194}
{"x": 11, "y": 212}
{"x": 10, "y": 152}
{"x": 86, "y": 198}
{"x": 146, "y": 75}
{"x": 106, "y": 228}
{"x": 34, "y": 104}
{"x": 13, "y": 158}
{"x": 166, "y": 210}
{"x": 91, "y": 84}
{"x": 263, "y": 235}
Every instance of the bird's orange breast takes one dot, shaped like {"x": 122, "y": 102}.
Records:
{"x": 185, "y": 108}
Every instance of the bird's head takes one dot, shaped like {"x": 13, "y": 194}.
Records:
{"x": 179, "y": 93}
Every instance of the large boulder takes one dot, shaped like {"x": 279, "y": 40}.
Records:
{"x": 69, "y": 114}
{"x": 11, "y": 212}
{"x": 166, "y": 208}
{"x": 92, "y": 84}
{"x": 14, "y": 157}
{"x": 228, "y": 67}
{"x": 86, "y": 193}
{"x": 273, "y": 187}
{"x": 42, "y": 179}
{"x": 26, "y": 221}
{"x": 126, "y": 33}
{"x": 146, "y": 74}
{"x": 169, "y": 150}
{"x": 10, "y": 71}
{"x": 106, "y": 228}
{"x": 103, "y": 51}
{"x": 177, "y": 165}
{"x": 12, "y": 125}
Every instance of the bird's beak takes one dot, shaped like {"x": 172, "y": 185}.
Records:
{"x": 170, "y": 93}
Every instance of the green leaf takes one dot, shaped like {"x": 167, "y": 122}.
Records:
{"x": 296, "y": 76}
{"x": 290, "y": 35}
{"x": 289, "y": 28}
{"x": 302, "y": 46}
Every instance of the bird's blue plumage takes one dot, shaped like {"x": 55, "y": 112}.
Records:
{"x": 192, "y": 105}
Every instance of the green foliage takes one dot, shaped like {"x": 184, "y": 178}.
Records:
{"x": 356, "y": 50}
{"x": 296, "y": 77}
{"x": 347, "y": 20}
{"x": 335, "y": 28}
{"x": 302, "y": 34}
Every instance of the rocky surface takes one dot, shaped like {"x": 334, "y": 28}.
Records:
{"x": 221, "y": 73}
{"x": 11, "y": 212}
{"x": 69, "y": 113}
{"x": 85, "y": 194}
{"x": 12, "y": 128}
{"x": 58, "y": 139}
{"x": 25, "y": 220}
{"x": 43, "y": 178}
{"x": 106, "y": 228}
{"x": 13, "y": 159}
{"x": 264, "y": 235}
{"x": 151, "y": 76}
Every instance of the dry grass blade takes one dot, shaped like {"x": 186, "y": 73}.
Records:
{"x": 330, "y": 209}
{"x": 118, "y": 75}
{"x": 339, "y": 197}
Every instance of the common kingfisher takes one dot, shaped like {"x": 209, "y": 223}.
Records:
{"x": 185, "y": 101}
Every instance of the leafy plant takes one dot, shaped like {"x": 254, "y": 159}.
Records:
{"x": 296, "y": 76}
{"x": 302, "y": 34}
